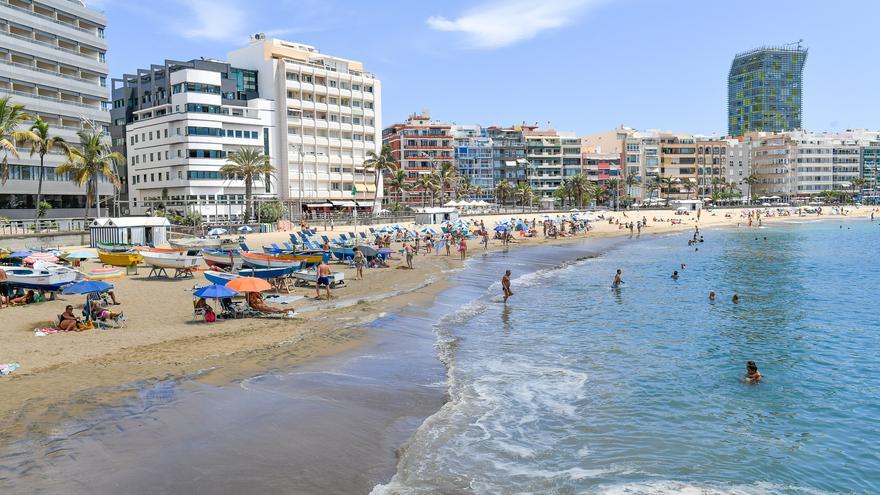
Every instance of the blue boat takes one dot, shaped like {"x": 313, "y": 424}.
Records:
{"x": 221, "y": 278}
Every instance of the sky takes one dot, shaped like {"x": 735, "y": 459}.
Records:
{"x": 574, "y": 65}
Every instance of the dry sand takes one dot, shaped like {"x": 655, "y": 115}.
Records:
{"x": 60, "y": 373}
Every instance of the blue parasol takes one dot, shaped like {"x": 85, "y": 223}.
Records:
{"x": 245, "y": 228}
{"x": 215, "y": 291}
{"x": 87, "y": 287}
{"x": 217, "y": 231}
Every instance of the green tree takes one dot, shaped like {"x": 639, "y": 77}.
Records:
{"x": 857, "y": 184}
{"x": 630, "y": 181}
{"x": 750, "y": 181}
{"x": 248, "y": 165}
{"x": 525, "y": 194}
{"x": 429, "y": 184}
{"x": 668, "y": 183}
{"x": 270, "y": 211}
{"x": 446, "y": 177}
{"x": 379, "y": 164}
{"x": 12, "y": 116}
{"x": 578, "y": 185}
{"x": 92, "y": 159}
{"x": 688, "y": 187}
{"x": 614, "y": 189}
{"x": 41, "y": 142}
{"x": 652, "y": 186}
{"x": 503, "y": 191}
{"x": 397, "y": 182}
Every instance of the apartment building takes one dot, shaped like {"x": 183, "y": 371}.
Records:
{"x": 739, "y": 163}
{"x": 638, "y": 156}
{"x": 176, "y": 123}
{"x": 473, "y": 158}
{"x": 544, "y": 154}
{"x": 870, "y": 165}
{"x": 829, "y": 161}
{"x": 774, "y": 162}
{"x": 328, "y": 115}
{"x": 509, "y": 153}
{"x": 52, "y": 61}
{"x": 421, "y": 146}
{"x": 711, "y": 165}
{"x": 602, "y": 167}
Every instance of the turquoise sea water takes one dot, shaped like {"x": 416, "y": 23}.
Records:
{"x": 575, "y": 388}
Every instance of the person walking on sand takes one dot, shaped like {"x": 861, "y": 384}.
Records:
{"x": 410, "y": 252}
{"x": 322, "y": 277}
{"x": 359, "y": 262}
{"x": 617, "y": 280}
{"x": 505, "y": 285}
{"x": 462, "y": 247}
{"x": 485, "y": 239}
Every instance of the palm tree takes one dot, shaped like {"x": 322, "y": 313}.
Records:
{"x": 397, "y": 182}
{"x": 379, "y": 164}
{"x": 577, "y": 187}
{"x": 630, "y": 181}
{"x": 446, "y": 175}
{"x": 93, "y": 158}
{"x": 856, "y": 185}
{"x": 465, "y": 187}
{"x": 667, "y": 183}
{"x": 249, "y": 165}
{"x": 428, "y": 183}
{"x": 503, "y": 190}
{"x": 750, "y": 181}
{"x": 614, "y": 187}
{"x": 41, "y": 143}
{"x": 525, "y": 194}
{"x": 653, "y": 185}
{"x": 688, "y": 188}
{"x": 11, "y": 117}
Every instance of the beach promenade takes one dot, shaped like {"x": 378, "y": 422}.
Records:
{"x": 161, "y": 340}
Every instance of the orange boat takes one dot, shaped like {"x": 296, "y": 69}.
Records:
{"x": 278, "y": 260}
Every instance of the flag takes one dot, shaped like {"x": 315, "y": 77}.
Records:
{"x": 353, "y": 190}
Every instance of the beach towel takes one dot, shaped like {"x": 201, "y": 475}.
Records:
{"x": 42, "y": 332}
{"x": 8, "y": 368}
{"x": 283, "y": 299}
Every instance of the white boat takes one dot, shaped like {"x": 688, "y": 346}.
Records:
{"x": 305, "y": 278}
{"x": 171, "y": 259}
{"x": 196, "y": 243}
{"x": 50, "y": 278}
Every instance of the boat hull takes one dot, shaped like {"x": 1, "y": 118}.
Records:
{"x": 109, "y": 247}
{"x": 283, "y": 261}
{"x": 220, "y": 278}
{"x": 223, "y": 259}
{"x": 28, "y": 278}
{"x": 174, "y": 259}
{"x": 120, "y": 259}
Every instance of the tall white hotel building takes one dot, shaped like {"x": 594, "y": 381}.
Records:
{"x": 52, "y": 61}
{"x": 328, "y": 116}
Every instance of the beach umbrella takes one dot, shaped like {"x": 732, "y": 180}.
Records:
{"x": 87, "y": 287}
{"x": 80, "y": 255}
{"x": 42, "y": 257}
{"x": 248, "y": 284}
{"x": 215, "y": 291}
{"x": 500, "y": 228}
{"x": 217, "y": 231}
{"x": 20, "y": 254}
{"x": 245, "y": 228}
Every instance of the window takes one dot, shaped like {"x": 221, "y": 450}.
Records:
{"x": 166, "y": 132}
{"x": 203, "y": 175}
{"x": 204, "y": 131}
{"x": 238, "y": 134}
{"x": 292, "y": 76}
{"x": 195, "y": 88}
{"x": 167, "y": 154}
{"x": 245, "y": 80}
{"x": 199, "y": 108}
{"x": 332, "y": 83}
{"x": 206, "y": 153}
{"x": 355, "y": 87}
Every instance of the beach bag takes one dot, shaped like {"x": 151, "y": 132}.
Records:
{"x": 210, "y": 317}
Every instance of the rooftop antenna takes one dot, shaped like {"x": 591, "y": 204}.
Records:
{"x": 795, "y": 43}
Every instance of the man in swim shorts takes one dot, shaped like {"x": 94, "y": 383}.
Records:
{"x": 322, "y": 275}
{"x": 505, "y": 285}
{"x": 617, "y": 280}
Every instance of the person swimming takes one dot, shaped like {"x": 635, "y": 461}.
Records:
{"x": 752, "y": 373}
{"x": 711, "y": 295}
{"x": 735, "y": 298}
{"x": 675, "y": 274}
{"x": 617, "y": 280}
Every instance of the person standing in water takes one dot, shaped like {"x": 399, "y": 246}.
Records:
{"x": 752, "y": 373}
{"x": 505, "y": 285}
{"x": 617, "y": 280}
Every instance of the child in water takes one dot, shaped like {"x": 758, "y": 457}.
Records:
{"x": 752, "y": 373}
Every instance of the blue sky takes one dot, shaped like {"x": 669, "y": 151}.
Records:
{"x": 581, "y": 65}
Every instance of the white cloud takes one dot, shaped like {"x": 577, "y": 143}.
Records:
{"x": 213, "y": 20}
{"x": 500, "y": 23}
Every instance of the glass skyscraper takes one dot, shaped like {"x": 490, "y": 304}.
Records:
{"x": 765, "y": 90}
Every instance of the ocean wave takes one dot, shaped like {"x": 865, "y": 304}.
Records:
{"x": 667, "y": 487}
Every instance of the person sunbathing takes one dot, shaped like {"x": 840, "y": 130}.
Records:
{"x": 68, "y": 320}
{"x": 255, "y": 300}
{"x": 101, "y": 313}
{"x": 26, "y": 298}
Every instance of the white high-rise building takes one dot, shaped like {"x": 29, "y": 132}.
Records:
{"x": 184, "y": 119}
{"x": 52, "y": 61}
{"x": 328, "y": 119}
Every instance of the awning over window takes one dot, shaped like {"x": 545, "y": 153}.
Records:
{"x": 371, "y": 187}
{"x": 509, "y": 163}
{"x": 319, "y": 205}
{"x": 344, "y": 204}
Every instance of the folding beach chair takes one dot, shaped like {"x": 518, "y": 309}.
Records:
{"x": 363, "y": 236}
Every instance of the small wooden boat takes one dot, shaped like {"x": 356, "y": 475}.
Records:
{"x": 110, "y": 247}
{"x": 222, "y": 259}
{"x": 220, "y": 278}
{"x": 257, "y": 260}
{"x": 48, "y": 278}
{"x": 307, "y": 277}
{"x": 263, "y": 273}
{"x": 120, "y": 259}
{"x": 167, "y": 258}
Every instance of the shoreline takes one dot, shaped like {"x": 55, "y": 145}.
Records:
{"x": 72, "y": 389}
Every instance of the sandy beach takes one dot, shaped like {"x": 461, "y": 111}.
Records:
{"x": 161, "y": 341}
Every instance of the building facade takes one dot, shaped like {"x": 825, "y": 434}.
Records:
{"x": 870, "y": 165}
{"x": 474, "y": 160}
{"x": 509, "y": 161}
{"x": 328, "y": 116}
{"x": 602, "y": 167}
{"x": 420, "y": 146}
{"x": 52, "y": 61}
{"x": 177, "y": 123}
{"x": 544, "y": 153}
{"x": 739, "y": 164}
{"x": 765, "y": 90}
